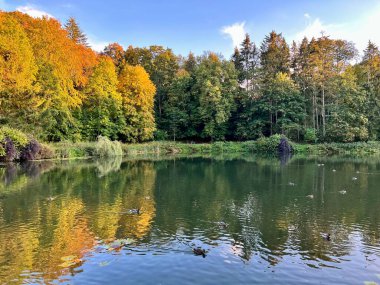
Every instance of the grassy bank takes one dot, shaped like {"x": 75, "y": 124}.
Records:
{"x": 264, "y": 146}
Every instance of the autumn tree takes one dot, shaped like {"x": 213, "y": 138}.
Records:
{"x": 63, "y": 71}
{"x": 116, "y": 52}
{"x": 18, "y": 71}
{"x": 161, "y": 65}
{"x": 102, "y": 112}
{"x": 137, "y": 91}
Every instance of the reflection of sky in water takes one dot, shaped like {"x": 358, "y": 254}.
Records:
{"x": 61, "y": 222}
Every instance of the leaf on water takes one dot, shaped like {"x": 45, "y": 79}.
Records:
{"x": 370, "y": 283}
{"x": 70, "y": 260}
{"x": 378, "y": 276}
{"x": 104, "y": 263}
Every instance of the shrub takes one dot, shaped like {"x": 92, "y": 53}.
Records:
{"x": 18, "y": 138}
{"x": 268, "y": 145}
{"x": 30, "y": 151}
{"x": 106, "y": 148}
{"x": 11, "y": 152}
{"x": 310, "y": 135}
{"x": 45, "y": 152}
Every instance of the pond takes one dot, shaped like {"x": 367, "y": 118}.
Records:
{"x": 259, "y": 220}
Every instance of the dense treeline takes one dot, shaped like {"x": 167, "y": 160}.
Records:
{"x": 57, "y": 88}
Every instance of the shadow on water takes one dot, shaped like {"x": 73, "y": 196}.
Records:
{"x": 61, "y": 220}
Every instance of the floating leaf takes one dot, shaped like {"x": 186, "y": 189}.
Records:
{"x": 370, "y": 283}
{"x": 70, "y": 260}
{"x": 104, "y": 263}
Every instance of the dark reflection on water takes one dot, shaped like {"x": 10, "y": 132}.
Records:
{"x": 260, "y": 221}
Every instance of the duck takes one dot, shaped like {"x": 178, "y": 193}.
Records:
{"x": 199, "y": 251}
{"x": 291, "y": 184}
{"x": 327, "y": 237}
{"x": 334, "y": 170}
{"x": 135, "y": 211}
{"x": 50, "y": 199}
{"x": 343, "y": 192}
{"x": 354, "y": 178}
{"x": 310, "y": 196}
{"x": 222, "y": 225}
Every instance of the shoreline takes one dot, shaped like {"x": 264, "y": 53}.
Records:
{"x": 63, "y": 151}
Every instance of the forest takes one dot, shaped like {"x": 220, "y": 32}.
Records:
{"x": 56, "y": 88}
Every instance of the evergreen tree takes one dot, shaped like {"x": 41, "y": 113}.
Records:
{"x": 274, "y": 55}
{"x": 75, "y": 33}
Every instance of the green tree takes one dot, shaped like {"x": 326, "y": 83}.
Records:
{"x": 179, "y": 107}
{"x": 102, "y": 112}
{"x": 246, "y": 123}
{"x": 348, "y": 121}
{"x": 274, "y": 55}
{"x": 368, "y": 73}
{"x": 216, "y": 85}
{"x": 283, "y": 99}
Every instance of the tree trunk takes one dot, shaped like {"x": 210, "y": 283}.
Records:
{"x": 323, "y": 112}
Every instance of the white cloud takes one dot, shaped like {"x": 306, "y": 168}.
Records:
{"x": 307, "y": 15}
{"x": 360, "y": 30}
{"x": 236, "y": 32}
{"x": 96, "y": 45}
{"x": 33, "y": 12}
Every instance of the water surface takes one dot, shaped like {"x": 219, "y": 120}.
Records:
{"x": 261, "y": 221}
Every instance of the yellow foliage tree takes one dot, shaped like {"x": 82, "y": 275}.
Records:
{"x": 138, "y": 92}
{"x": 17, "y": 67}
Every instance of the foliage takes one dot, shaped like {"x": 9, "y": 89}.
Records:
{"x": 56, "y": 88}
{"x": 268, "y": 145}
{"x": 310, "y": 135}
{"x": 106, "y": 148}
{"x": 18, "y": 138}
{"x": 137, "y": 92}
{"x": 15, "y": 145}
{"x": 30, "y": 151}
{"x": 216, "y": 85}
{"x": 101, "y": 113}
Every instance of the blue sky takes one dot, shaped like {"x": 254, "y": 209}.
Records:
{"x": 217, "y": 25}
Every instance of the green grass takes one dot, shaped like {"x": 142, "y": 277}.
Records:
{"x": 68, "y": 150}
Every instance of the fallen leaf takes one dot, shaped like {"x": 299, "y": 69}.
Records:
{"x": 104, "y": 263}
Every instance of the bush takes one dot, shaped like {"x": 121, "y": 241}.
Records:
{"x": 46, "y": 152}
{"x": 268, "y": 145}
{"x": 310, "y": 135}
{"x": 30, "y": 151}
{"x": 11, "y": 142}
{"x": 106, "y": 148}
{"x": 18, "y": 138}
